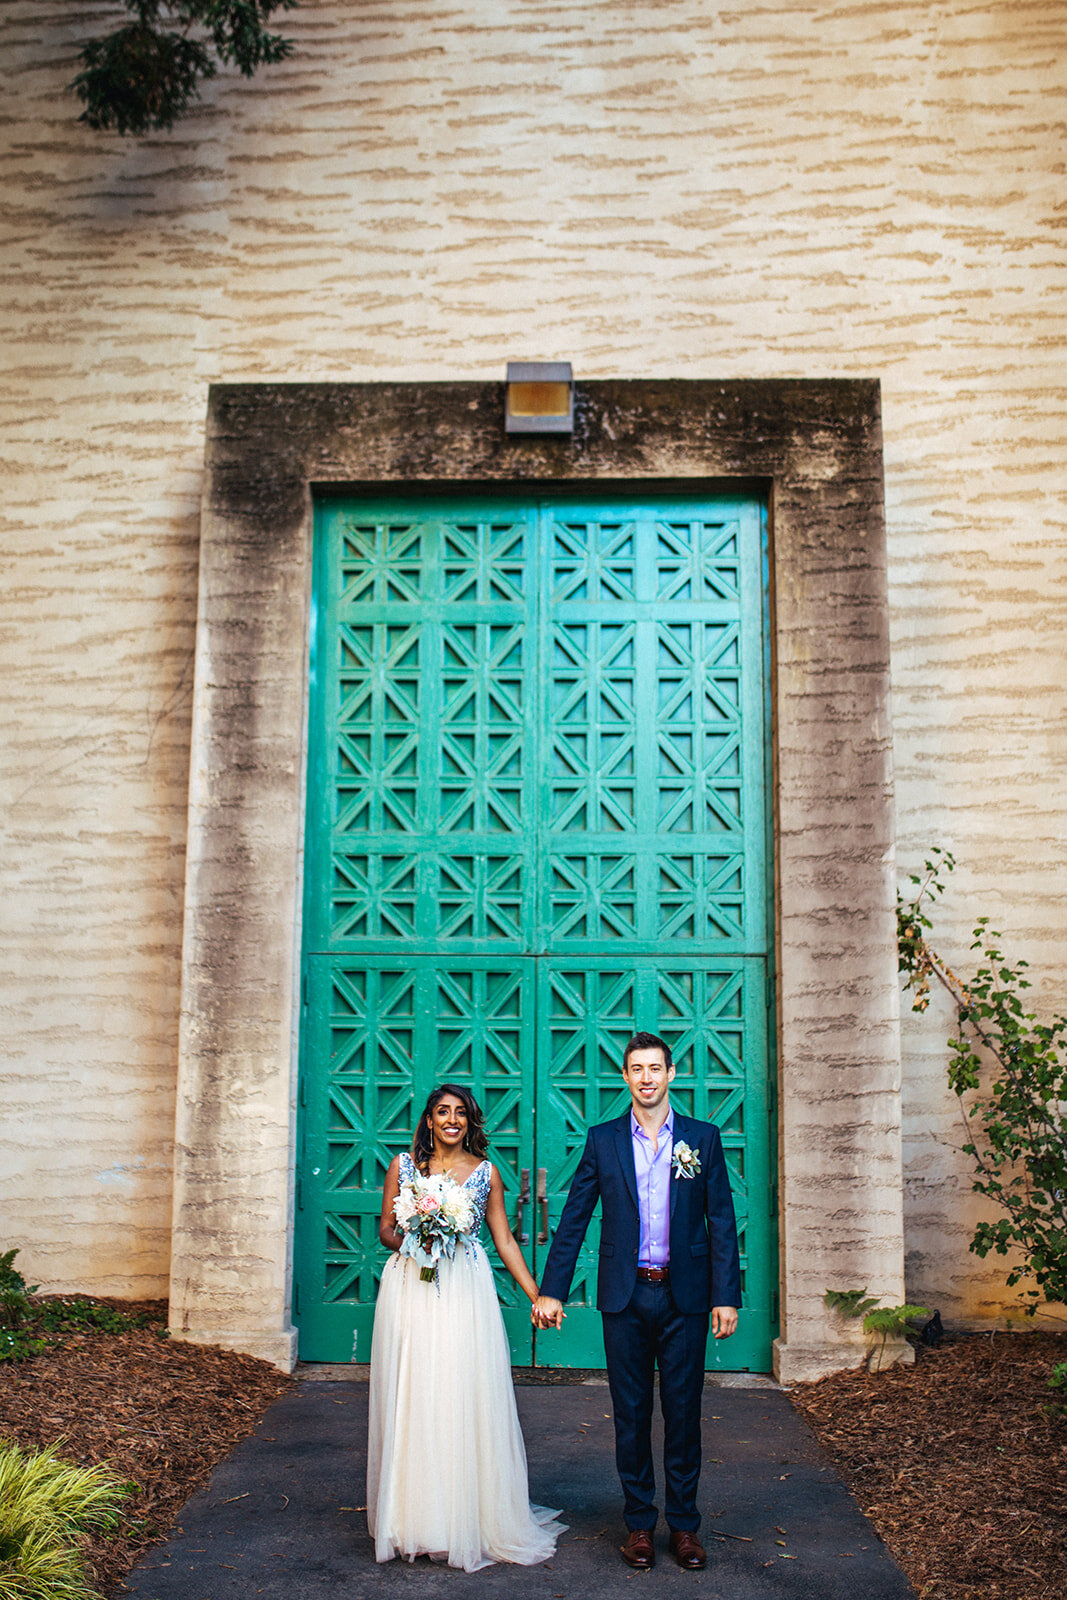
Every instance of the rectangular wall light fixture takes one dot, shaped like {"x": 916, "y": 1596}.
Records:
{"x": 540, "y": 397}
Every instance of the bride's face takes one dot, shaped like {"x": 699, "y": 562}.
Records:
{"x": 449, "y": 1119}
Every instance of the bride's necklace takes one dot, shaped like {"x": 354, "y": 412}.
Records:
{"x": 447, "y": 1172}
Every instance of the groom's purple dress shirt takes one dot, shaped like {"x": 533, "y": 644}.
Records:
{"x": 653, "y": 1191}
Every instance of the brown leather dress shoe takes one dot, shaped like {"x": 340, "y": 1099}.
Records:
{"x": 688, "y": 1551}
{"x": 639, "y": 1551}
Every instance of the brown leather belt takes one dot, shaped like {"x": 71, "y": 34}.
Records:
{"x": 654, "y": 1274}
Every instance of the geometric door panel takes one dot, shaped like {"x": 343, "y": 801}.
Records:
{"x": 381, "y": 1034}
{"x": 653, "y": 743}
{"x": 536, "y": 820}
{"x": 714, "y": 1015}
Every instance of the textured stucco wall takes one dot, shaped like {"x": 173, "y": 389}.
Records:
{"x": 658, "y": 189}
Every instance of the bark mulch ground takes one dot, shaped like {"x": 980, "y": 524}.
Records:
{"x": 955, "y": 1460}
{"x": 161, "y": 1414}
{"x": 957, "y": 1463}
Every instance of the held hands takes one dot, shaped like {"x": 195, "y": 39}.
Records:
{"x": 723, "y": 1321}
{"x": 545, "y": 1312}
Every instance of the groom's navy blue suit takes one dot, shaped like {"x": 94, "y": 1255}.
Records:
{"x": 650, "y": 1324}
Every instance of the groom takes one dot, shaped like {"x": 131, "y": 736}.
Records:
{"x": 668, "y": 1256}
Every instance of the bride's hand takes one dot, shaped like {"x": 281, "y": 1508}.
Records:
{"x": 546, "y": 1312}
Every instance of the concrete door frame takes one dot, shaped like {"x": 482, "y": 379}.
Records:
{"x": 813, "y": 449}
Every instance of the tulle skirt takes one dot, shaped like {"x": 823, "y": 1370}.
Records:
{"x": 446, "y": 1463}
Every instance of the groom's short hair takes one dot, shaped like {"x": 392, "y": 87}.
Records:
{"x": 647, "y": 1041}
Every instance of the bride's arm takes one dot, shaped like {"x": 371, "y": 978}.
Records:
{"x": 507, "y": 1247}
{"x": 387, "y": 1231}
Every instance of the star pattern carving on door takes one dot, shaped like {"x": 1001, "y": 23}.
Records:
{"x": 536, "y": 823}
{"x": 482, "y": 728}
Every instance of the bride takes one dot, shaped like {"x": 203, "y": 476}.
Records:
{"x": 446, "y": 1464}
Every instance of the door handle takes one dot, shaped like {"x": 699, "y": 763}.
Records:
{"x": 542, "y": 1201}
{"x": 520, "y": 1212}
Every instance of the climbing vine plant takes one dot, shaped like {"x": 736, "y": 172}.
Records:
{"x": 1009, "y": 1071}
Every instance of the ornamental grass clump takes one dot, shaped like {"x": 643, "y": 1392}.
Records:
{"x": 46, "y": 1507}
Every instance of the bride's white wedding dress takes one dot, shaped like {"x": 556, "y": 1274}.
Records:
{"x": 446, "y": 1464}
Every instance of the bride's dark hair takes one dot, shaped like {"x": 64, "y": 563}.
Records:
{"x": 474, "y": 1139}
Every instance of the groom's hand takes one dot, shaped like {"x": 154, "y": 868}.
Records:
{"x": 547, "y": 1312}
{"x": 723, "y": 1321}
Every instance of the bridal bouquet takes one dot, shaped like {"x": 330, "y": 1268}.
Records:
{"x": 432, "y": 1213}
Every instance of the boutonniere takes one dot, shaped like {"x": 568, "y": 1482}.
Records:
{"x": 686, "y": 1162}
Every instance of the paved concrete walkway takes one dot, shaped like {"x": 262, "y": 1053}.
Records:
{"x": 283, "y": 1516}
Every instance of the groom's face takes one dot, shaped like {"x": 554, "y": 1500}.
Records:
{"x": 648, "y": 1077}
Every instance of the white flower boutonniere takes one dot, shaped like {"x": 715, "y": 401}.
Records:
{"x": 686, "y": 1162}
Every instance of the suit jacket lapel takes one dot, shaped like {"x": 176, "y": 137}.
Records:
{"x": 624, "y": 1142}
{"x": 681, "y": 1125}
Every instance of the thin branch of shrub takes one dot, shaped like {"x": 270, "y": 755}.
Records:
{"x": 1017, "y": 1124}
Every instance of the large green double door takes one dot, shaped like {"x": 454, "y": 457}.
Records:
{"x": 536, "y": 823}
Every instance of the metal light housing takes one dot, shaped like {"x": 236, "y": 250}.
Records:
{"x": 539, "y": 397}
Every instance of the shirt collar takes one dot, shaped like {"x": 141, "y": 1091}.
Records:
{"x": 668, "y": 1126}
